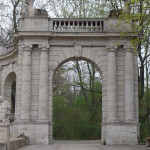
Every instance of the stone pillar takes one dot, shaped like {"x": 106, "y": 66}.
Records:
{"x": 129, "y": 85}
{"x": 43, "y": 85}
{"x": 18, "y": 83}
{"x": 26, "y": 85}
{"x": 111, "y": 85}
{"x": 0, "y": 80}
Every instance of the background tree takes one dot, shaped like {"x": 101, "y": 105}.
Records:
{"x": 77, "y": 101}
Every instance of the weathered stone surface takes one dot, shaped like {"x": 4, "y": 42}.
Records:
{"x": 44, "y": 44}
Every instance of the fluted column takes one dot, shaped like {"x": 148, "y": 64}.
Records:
{"x": 111, "y": 85}
{"x": 129, "y": 85}
{"x": 43, "y": 85}
{"x": 26, "y": 85}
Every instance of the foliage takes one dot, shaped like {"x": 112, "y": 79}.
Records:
{"x": 77, "y": 117}
{"x": 144, "y": 115}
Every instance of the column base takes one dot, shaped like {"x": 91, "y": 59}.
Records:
{"x": 43, "y": 121}
{"x": 38, "y": 132}
{"x": 119, "y": 133}
{"x": 130, "y": 120}
{"x": 24, "y": 121}
{"x": 4, "y": 135}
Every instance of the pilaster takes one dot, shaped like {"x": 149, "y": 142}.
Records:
{"x": 0, "y": 80}
{"x": 43, "y": 84}
{"x": 111, "y": 85}
{"x": 129, "y": 84}
{"x": 26, "y": 85}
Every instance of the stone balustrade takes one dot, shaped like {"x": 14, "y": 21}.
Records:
{"x": 10, "y": 47}
{"x": 80, "y": 25}
{"x": 6, "y": 48}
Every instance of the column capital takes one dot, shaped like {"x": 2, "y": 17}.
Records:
{"x": 43, "y": 47}
{"x": 128, "y": 48}
{"x": 27, "y": 47}
{"x": 111, "y": 48}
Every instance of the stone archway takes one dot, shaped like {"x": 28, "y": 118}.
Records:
{"x": 86, "y": 92}
{"x": 10, "y": 90}
{"x": 45, "y": 43}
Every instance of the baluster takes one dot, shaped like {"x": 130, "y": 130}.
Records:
{"x": 78, "y": 26}
{"x": 55, "y": 25}
{"x": 68, "y": 27}
{"x": 92, "y": 26}
{"x": 83, "y": 27}
{"x": 73, "y": 26}
{"x": 59, "y": 26}
{"x": 87, "y": 26}
{"x": 100, "y": 28}
{"x": 96, "y": 26}
{"x": 64, "y": 26}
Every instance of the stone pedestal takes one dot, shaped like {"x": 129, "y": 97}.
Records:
{"x": 120, "y": 134}
{"x": 36, "y": 131}
{"x": 4, "y": 132}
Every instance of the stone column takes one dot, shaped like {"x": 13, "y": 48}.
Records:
{"x": 43, "y": 85}
{"x": 26, "y": 85}
{"x": 0, "y": 80}
{"x": 111, "y": 85}
{"x": 50, "y": 106}
{"x": 129, "y": 85}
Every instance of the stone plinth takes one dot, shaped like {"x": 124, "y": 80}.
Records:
{"x": 2, "y": 145}
{"x": 121, "y": 134}
{"x": 4, "y": 135}
{"x": 36, "y": 131}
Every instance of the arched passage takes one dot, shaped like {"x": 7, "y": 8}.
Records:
{"x": 10, "y": 90}
{"x": 77, "y": 104}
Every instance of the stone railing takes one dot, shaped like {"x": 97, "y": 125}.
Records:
{"x": 5, "y": 49}
{"x": 78, "y": 25}
{"x": 10, "y": 47}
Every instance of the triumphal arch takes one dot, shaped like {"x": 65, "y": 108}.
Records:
{"x": 42, "y": 44}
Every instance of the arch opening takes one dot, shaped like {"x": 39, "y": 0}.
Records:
{"x": 77, "y": 100}
{"x": 10, "y": 92}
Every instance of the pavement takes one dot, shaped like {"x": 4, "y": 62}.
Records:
{"x": 81, "y": 145}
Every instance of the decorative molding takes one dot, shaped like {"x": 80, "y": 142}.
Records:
{"x": 43, "y": 47}
{"x": 111, "y": 48}
{"x": 27, "y": 47}
{"x": 128, "y": 47}
{"x": 78, "y": 51}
